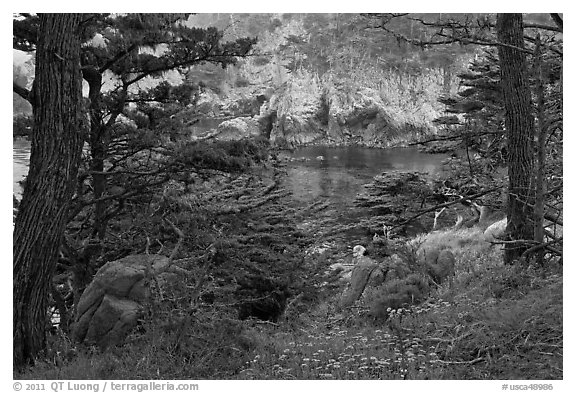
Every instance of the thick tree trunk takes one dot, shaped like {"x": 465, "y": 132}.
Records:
{"x": 519, "y": 123}
{"x": 541, "y": 152}
{"x": 55, "y": 156}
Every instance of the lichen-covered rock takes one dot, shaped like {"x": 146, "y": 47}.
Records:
{"x": 377, "y": 277}
{"x": 496, "y": 231}
{"x": 296, "y": 130}
{"x": 358, "y": 115}
{"x": 360, "y": 275}
{"x": 111, "y": 305}
{"x": 237, "y": 129}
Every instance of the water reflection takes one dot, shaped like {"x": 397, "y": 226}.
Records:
{"x": 339, "y": 173}
{"x": 20, "y": 163}
{"x": 328, "y": 172}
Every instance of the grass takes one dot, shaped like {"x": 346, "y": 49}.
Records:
{"x": 492, "y": 321}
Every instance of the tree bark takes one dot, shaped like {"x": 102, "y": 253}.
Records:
{"x": 541, "y": 153}
{"x": 519, "y": 123}
{"x": 55, "y": 156}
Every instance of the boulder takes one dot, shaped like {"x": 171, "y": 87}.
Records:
{"x": 377, "y": 277}
{"x": 110, "y": 306}
{"x": 358, "y": 251}
{"x": 237, "y": 129}
{"x": 360, "y": 275}
{"x": 496, "y": 231}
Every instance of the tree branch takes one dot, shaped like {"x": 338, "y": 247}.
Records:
{"x": 434, "y": 208}
{"x": 558, "y": 20}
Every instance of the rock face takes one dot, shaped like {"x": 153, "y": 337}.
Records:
{"x": 330, "y": 113}
{"x": 358, "y": 117}
{"x": 111, "y": 305}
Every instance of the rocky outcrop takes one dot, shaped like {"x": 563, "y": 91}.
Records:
{"x": 333, "y": 114}
{"x": 358, "y": 116}
{"x": 111, "y": 305}
{"x": 237, "y": 129}
{"x": 209, "y": 103}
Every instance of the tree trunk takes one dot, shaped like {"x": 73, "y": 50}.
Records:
{"x": 519, "y": 123}
{"x": 541, "y": 152}
{"x": 55, "y": 156}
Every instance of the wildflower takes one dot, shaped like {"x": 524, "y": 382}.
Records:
{"x": 304, "y": 365}
{"x": 351, "y": 372}
{"x": 364, "y": 359}
{"x": 321, "y": 351}
{"x": 306, "y": 359}
{"x": 287, "y": 350}
{"x": 325, "y": 375}
{"x": 373, "y": 358}
{"x": 335, "y": 365}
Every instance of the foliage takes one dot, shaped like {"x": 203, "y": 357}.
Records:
{"x": 227, "y": 156}
{"x": 262, "y": 305}
{"x": 22, "y": 126}
{"x": 474, "y": 330}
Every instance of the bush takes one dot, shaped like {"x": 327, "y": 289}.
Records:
{"x": 400, "y": 293}
{"x": 227, "y": 156}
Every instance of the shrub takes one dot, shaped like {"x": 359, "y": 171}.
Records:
{"x": 399, "y": 293}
